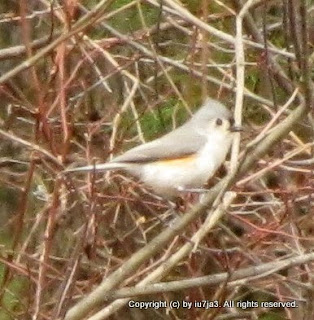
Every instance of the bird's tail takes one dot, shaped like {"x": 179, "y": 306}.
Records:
{"x": 97, "y": 167}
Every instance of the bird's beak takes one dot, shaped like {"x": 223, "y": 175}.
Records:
{"x": 236, "y": 128}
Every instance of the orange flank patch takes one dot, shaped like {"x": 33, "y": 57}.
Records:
{"x": 176, "y": 162}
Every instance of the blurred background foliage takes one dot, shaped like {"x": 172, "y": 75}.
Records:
{"x": 129, "y": 78}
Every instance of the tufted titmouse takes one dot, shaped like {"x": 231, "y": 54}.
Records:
{"x": 183, "y": 159}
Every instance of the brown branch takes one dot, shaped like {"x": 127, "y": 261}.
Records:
{"x": 79, "y": 26}
{"x": 243, "y": 275}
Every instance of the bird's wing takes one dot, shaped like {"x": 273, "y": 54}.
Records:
{"x": 173, "y": 145}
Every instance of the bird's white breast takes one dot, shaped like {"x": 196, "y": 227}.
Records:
{"x": 166, "y": 177}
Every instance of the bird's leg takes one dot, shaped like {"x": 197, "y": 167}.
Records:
{"x": 192, "y": 190}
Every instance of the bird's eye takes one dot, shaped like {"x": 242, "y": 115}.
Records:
{"x": 218, "y": 122}
{"x": 231, "y": 120}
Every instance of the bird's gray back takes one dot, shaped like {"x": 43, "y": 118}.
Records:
{"x": 183, "y": 141}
